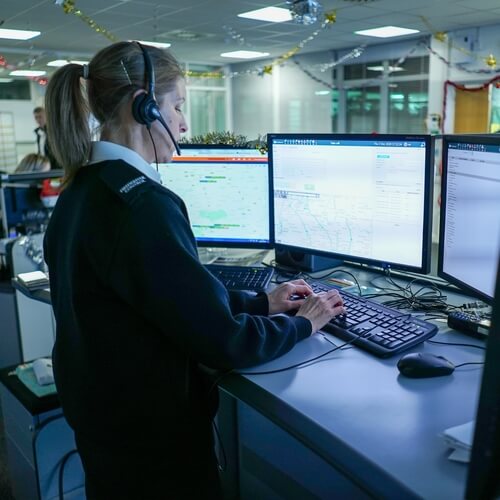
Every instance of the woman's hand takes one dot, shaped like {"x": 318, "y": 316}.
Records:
{"x": 288, "y": 296}
{"x": 320, "y": 309}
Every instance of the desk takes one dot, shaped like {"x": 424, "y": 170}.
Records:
{"x": 37, "y": 439}
{"x": 348, "y": 425}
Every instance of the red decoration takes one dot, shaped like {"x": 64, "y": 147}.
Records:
{"x": 494, "y": 80}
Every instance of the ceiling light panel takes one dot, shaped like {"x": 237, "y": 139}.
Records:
{"x": 18, "y": 34}
{"x": 25, "y": 72}
{"x": 387, "y": 32}
{"x": 269, "y": 14}
{"x": 244, "y": 54}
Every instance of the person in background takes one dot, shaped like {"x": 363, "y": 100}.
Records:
{"x": 138, "y": 317}
{"x": 42, "y": 143}
{"x": 33, "y": 162}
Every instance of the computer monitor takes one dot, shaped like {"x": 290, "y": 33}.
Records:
{"x": 469, "y": 241}
{"x": 227, "y": 191}
{"x": 483, "y": 481}
{"x": 359, "y": 198}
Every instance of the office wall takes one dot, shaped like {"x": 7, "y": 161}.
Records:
{"x": 24, "y": 124}
{"x": 278, "y": 102}
{"x": 290, "y": 99}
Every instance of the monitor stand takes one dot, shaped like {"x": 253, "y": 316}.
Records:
{"x": 305, "y": 261}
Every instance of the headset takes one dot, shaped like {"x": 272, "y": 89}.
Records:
{"x": 145, "y": 109}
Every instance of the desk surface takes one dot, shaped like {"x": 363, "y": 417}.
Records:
{"x": 360, "y": 415}
{"x": 354, "y": 410}
{"x": 30, "y": 401}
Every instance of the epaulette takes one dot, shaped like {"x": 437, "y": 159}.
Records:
{"x": 125, "y": 181}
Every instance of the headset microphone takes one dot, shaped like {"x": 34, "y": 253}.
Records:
{"x": 145, "y": 109}
{"x": 165, "y": 126}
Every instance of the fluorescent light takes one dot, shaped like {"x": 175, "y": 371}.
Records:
{"x": 270, "y": 14}
{"x": 25, "y": 72}
{"x": 159, "y": 45}
{"x": 391, "y": 69}
{"x": 18, "y": 34}
{"x": 57, "y": 63}
{"x": 244, "y": 54}
{"x": 387, "y": 32}
{"x": 322, "y": 92}
{"x": 6, "y": 80}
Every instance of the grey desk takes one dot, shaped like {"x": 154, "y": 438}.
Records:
{"x": 348, "y": 425}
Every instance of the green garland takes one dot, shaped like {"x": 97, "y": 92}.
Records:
{"x": 229, "y": 139}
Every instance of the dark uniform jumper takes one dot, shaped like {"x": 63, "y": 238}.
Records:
{"x": 136, "y": 314}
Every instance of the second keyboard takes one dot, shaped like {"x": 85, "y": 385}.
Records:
{"x": 255, "y": 279}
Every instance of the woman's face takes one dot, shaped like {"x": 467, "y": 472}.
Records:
{"x": 171, "y": 110}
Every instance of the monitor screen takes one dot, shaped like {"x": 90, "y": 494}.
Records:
{"x": 357, "y": 198}
{"x": 470, "y": 213}
{"x": 227, "y": 192}
{"x": 23, "y": 210}
{"x": 483, "y": 480}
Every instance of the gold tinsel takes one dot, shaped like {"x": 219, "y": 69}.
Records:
{"x": 330, "y": 17}
{"x": 440, "y": 36}
{"x": 491, "y": 61}
{"x": 69, "y": 7}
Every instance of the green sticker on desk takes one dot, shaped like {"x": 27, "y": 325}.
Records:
{"x": 26, "y": 375}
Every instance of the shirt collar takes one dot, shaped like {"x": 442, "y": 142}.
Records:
{"x": 103, "y": 151}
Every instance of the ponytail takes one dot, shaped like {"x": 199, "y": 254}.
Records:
{"x": 112, "y": 77}
{"x": 68, "y": 127}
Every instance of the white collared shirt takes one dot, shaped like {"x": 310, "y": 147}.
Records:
{"x": 104, "y": 151}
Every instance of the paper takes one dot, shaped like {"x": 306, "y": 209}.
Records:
{"x": 460, "y": 438}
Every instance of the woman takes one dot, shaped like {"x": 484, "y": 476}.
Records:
{"x": 136, "y": 312}
{"x": 33, "y": 162}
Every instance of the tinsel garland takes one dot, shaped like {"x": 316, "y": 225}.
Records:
{"x": 227, "y": 139}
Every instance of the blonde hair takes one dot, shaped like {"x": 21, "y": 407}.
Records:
{"x": 112, "y": 77}
{"x": 33, "y": 163}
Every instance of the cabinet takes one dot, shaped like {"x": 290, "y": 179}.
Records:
{"x": 41, "y": 451}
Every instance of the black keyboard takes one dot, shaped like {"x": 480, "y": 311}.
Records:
{"x": 381, "y": 330}
{"x": 254, "y": 279}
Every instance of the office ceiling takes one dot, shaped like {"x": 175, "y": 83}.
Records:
{"x": 199, "y": 30}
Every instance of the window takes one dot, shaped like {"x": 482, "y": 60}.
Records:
{"x": 207, "y": 111}
{"x": 15, "y": 90}
{"x": 408, "y": 102}
{"x": 206, "y": 101}
{"x": 363, "y": 109}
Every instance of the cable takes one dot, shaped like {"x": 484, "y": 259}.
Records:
{"x": 222, "y": 467}
{"x": 268, "y": 372}
{"x": 39, "y": 429}
{"x": 457, "y": 344}
{"x": 61, "y": 472}
{"x": 470, "y": 363}
{"x": 154, "y": 146}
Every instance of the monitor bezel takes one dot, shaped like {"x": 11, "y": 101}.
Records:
{"x": 482, "y": 477}
{"x": 461, "y": 138}
{"x": 425, "y": 266}
{"x": 237, "y": 244}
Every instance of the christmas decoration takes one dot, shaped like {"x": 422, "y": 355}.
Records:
{"x": 305, "y": 11}
{"x": 69, "y": 7}
{"x": 491, "y": 61}
{"x": 224, "y": 138}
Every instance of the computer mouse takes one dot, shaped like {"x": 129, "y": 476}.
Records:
{"x": 424, "y": 364}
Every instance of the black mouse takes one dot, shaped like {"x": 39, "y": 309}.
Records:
{"x": 424, "y": 364}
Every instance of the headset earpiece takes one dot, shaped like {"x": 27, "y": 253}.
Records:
{"x": 145, "y": 109}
